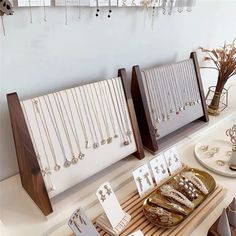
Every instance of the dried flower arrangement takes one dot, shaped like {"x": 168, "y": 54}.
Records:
{"x": 224, "y": 60}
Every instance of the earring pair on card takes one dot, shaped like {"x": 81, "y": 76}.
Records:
{"x": 107, "y": 191}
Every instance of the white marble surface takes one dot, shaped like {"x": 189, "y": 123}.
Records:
{"x": 20, "y": 216}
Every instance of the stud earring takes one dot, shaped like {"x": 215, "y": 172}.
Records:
{"x": 229, "y": 153}
{"x": 103, "y": 197}
{"x": 108, "y": 190}
{"x": 220, "y": 162}
{"x": 147, "y": 179}
{"x": 139, "y": 180}
{"x": 204, "y": 148}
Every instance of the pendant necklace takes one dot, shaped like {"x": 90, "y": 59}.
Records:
{"x": 172, "y": 89}
{"x": 103, "y": 113}
{"x": 153, "y": 104}
{"x": 72, "y": 126}
{"x": 30, "y": 11}
{"x": 167, "y": 87}
{"x": 121, "y": 96}
{"x": 175, "y": 90}
{"x": 37, "y": 105}
{"x": 95, "y": 112}
{"x": 54, "y": 123}
{"x": 188, "y": 96}
{"x": 180, "y": 74}
{"x": 46, "y": 172}
{"x": 157, "y": 78}
{"x": 190, "y": 84}
{"x": 77, "y": 107}
{"x": 96, "y": 143}
{"x": 120, "y": 122}
{"x": 67, "y": 162}
{"x": 107, "y": 103}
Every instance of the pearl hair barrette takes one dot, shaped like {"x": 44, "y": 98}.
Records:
{"x": 196, "y": 181}
{"x": 169, "y": 191}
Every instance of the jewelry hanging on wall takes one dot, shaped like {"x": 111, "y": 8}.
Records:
{"x": 171, "y": 7}
{"x": 90, "y": 121}
{"x": 110, "y": 11}
{"x": 30, "y": 12}
{"x": 54, "y": 123}
{"x": 39, "y": 111}
{"x": 164, "y": 6}
{"x": 180, "y": 5}
{"x": 3, "y": 27}
{"x": 66, "y": 13}
{"x": 79, "y": 9}
{"x": 103, "y": 113}
{"x": 44, "y": 11}
{"x": 77, "y": 107}
{"x": 103, "y": 93}
{"x": 72, "y": 126}
{"x": 117, "y": 109}
{"x": 95, "y": 112}
{"x": 97, "y": 9}
{"x": 119, "y": 88}
{"x": 67, "y": 162}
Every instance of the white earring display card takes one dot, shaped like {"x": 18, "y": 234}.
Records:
{"x": 103, "y": 3}
{"x": 143, "y": 179}
{"x": 110, "y": 204}
{"x": 159, "y": 168}
{"x": 81, "y": 225}
{"x": 137, "y": 233}
{"x": 173, "y": 159}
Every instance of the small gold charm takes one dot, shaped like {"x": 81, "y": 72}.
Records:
{"x": 109, "y": 140}
{"x": 67, "y": 163}
{"x": 103, "y": 142}
{"x": 57, "y": 167}
{"x": 74, "y": 160}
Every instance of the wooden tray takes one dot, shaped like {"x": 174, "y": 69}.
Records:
{"x": 133, "y": 205}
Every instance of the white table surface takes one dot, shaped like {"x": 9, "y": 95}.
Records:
{"x": 20, "y": 216}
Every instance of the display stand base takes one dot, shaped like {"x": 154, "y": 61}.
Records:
{"x": 133, "y": 205}
{"x": 103, "y": 223}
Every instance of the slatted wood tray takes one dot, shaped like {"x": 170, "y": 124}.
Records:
{"x": 133, "y": 205}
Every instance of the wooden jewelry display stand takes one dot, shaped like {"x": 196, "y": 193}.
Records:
{"x": 31, "y": 173}
{"x": 179, "y": 126}
{"x": 133, "y": 205}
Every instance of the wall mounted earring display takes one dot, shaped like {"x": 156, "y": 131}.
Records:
{"x": 169, "y": 102}
{"x": 159, "y": 168}
{"x": 81, "y": 225}
{"x": 173, "y": 159}
{"x": 114, "y": 219}
{"x": 143, "y": 179}
{"x": 57, "y": 136}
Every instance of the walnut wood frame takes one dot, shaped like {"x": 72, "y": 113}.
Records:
{"x": 143, "y": 115}
{"x": 30, "y": 173}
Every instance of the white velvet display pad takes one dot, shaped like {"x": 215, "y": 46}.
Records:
{"x": 184, "y": 117}
{"x": 210, "y": 162}
{"x": 94, "y": 161}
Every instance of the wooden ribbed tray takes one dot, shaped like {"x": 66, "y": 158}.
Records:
{"x": 133, "y": 205}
